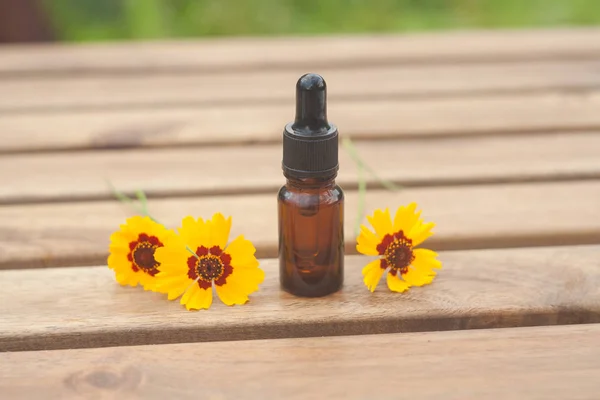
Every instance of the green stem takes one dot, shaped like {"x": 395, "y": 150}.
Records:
{"x": 349, "y": 146}
{"x": 362, "y": 192}
{"x": 143, "y": 209}
{"x": 141, "y": 196}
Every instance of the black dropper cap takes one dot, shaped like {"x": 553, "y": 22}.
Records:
{"x": 310, "y": 143}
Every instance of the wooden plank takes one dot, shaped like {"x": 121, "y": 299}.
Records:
{"x": 84, "y": 307}
{"x": 22, "y": 95}
{"x": 255, "y": 123}
{"x": 482, "y": 216}
{"x": 217, "y": 55}
{"x": 174, "y": 172}
{"x": 538, "y": 363}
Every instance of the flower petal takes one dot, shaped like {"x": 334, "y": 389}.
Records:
{"x": 246, "y": 280}
{"x": 372, "y": 274}
{"x": 405, "y": 218}
{"x": 367, "y": 242}
{"x": 242, "y": 253}
{"x": 194, "y": 232}
{"x": 173, "y": 277}
{"x": 418, "y": 277}
{"x": 420, "y": 232}
{"x": 126, "y": 278}
{"x": 147, "y": 281}
{"x": 425, "y": 260}
{"x": 197, "y": 298}
{"x": 231, "y": 293}
{"x": 173, "y": 286}
{"x": 381, "y": 222}
{"x": 119, "y": 262}
{"x": 395, "y": 284}
{"x": 119, "y": 242}
{"x": 193, "y": 297}
{"x": 219, "y": 230}
{"x": 137, "y": 224}
{"x": 369, "y": 251}
{"x": 172, "y": 258}
{"x": 421, "y": 271}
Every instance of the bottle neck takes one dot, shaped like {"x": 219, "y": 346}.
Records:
{"x": 327, "y": 182}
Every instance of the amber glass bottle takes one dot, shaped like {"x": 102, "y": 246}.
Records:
{"x": 311, "y": 205}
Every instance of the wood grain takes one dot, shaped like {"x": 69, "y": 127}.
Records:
{"x": 524, "y": 363}
{"x": 84, "y": 307}
{"x": 175, "y": 172}
{"x": 256, "y": 123}
{"x": 49, "y": 235}
{"x": 271, "y": 87}
{"x": 218, "y": 55}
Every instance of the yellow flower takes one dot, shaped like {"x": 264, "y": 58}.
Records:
{"x": 132, "y": 250}
{"x": 232, "y": 269}
{"x": 395, "y": 242}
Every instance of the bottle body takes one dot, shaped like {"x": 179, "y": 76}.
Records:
{"x": 311, "y": 236}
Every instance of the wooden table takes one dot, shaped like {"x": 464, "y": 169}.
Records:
{"x": 495, "y": 135}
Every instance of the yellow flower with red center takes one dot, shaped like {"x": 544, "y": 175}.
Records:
{"x": 395, "y": 241}
{"x": 199, "y": 258}
{"x": 132, "y": 251}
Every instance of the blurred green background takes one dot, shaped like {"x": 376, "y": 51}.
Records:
{"x": 89, "y": 20}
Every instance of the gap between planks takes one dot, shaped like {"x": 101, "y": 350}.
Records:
{"x": 85, "y": 307}
{"x": 362, "y": 120}
{"x": 537, "y": 362}
{"x": 176, "y": 172}
{"x": 485, "y": 216}
{"x": 75, "y": 94}
{"x": 235, "y": 54}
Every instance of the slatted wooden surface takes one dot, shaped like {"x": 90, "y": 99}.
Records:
{"x": 526, "y": 158}
{"x": 494, "y": 134}
{"x": 272, "y": 86}
{"x": 225, "y": 55}
{"x": 515, "y": 215}
{"x": 533, "y": 363}
{"x": 254, "y": 123}
{"x": 83, "y": 307}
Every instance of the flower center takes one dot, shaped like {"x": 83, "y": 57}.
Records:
{"x": 399, "y": 254}
{"x": 142, "y": 254}
{"x": 209, "y": 267}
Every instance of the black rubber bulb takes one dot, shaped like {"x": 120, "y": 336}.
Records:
{"x": 311, "y": 106}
